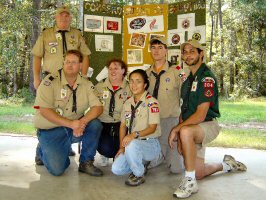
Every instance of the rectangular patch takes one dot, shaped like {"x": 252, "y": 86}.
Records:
{"x": 209, "y": 85}
{"x": 155, "y": 110}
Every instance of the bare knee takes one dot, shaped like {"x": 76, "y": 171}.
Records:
{"x": 186, "y": 134}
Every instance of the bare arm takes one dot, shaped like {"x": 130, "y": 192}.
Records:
{"x": 85, "y": 65}
{"x": 147, "y": 131}
{"x": 94, "y": 112}
{"x": 55, "y": 118}
{"x": 37, "y": 62}
{"x": 198, "y": 117}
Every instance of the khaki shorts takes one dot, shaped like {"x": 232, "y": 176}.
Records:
{"x": 211, "y": 130}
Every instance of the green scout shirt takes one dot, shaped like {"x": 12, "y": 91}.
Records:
{"x": 102, "y": 90}
{"x": 54, "y": 93}
{"x": 147, "y": 113}
{"x": 169, "y": 90}
{"x": 200, "y": 88}
{"x": 49, "y": 46}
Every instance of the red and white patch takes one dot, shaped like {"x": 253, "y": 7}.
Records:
{"x": 208, "y": 84}
{"x": 208, "y": 80}
{"x": 209, "y": 93}
{"x": 155, "y": 110}
{"x": 149, "y": 96}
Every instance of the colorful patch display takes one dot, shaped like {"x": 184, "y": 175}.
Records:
{"x": 112, "y": 25}
{"x": 175, "y": 39}
{"x": 137, "y": 23}
{"x": 196, "y": 36}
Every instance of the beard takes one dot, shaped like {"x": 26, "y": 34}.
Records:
{"x": 194, "y": 61}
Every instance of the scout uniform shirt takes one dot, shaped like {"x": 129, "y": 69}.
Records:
{"x": 147, "y": 112}
{"x": 169, "y": 89}
{"x": 49, "y": 46}
{"x": 104, "y": 92}
{"x": 55, "y": 93}
{"x": 200, "y": 88}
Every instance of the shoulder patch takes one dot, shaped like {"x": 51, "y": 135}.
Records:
{"x": 149, "y": 96}
{"x": 208, "y": 80}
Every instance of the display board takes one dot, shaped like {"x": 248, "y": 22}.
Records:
{"x": 141, "y": 23}
{"x": 103, "y": 33}
{"x": 104, "y": 25}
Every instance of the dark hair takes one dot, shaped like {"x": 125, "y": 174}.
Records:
{"x": 76, "y": 53}
{"x": 143, "y": 75}
{"x": 158, "y": 42}
{"x": 121, "y": 62}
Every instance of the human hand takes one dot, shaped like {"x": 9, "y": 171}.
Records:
{"x": 127, "y": 139}
{"x": 173, "y": 137}
{"x": 120, "y": 151}
{"x": 78, "y": 127}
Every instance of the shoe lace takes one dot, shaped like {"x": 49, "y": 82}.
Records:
{"x": 183, "y": 185}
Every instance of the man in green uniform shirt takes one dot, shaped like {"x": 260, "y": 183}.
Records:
{"x": 198, "y": 125}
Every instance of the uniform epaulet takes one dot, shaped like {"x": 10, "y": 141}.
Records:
{"x": 43, "y": 29}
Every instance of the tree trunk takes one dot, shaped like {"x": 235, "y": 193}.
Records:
{"x": 212, "y": 19}
{"x": 36, "y": 29}
{"x": 222, "y": 92}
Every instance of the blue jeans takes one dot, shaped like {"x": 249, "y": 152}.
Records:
{"x": 55, "y": 146}
{"x": 136, "y": 153}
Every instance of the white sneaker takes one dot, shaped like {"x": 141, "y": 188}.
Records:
{"x": 103, "y": 161}
{"x": 187, "y": 187}
{"x": 233, "y": 164}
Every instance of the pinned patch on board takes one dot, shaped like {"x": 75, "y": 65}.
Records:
{"x": 209, "y": 93}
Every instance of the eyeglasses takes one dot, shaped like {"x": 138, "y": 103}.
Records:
{"x": 71, "y": 62}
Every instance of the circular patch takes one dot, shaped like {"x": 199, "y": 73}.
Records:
{"x": 175, "y": 39}
{"x": 196, "y": 36}
{"x": 186, "y": 24}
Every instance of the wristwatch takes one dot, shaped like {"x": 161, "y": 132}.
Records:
{"x": 137, "y": 135}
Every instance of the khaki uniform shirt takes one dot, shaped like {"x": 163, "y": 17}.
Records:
{"x": 102, "y": 90}
{"x": 49, "y": 46}
{"x": 147, "y": 113}
{"x": 54, "y": 93}
{"x": 169, "y": 90}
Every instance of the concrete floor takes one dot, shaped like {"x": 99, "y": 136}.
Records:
{"x": 21, "y": 179}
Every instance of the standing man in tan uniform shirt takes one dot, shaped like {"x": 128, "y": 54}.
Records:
{"x": 60, "y": 104}
{"x": 51, "y": 46}
{"x": 165, "y": 85}
{"x": 53, "y": 43}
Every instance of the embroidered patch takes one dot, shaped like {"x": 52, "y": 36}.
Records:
{"x": 178, "y": 67}
{"x": 209, "y": 93}
{"x": 208, "y": 79}
{"x": 47, "y": 83}
{"x": 209, "y": 85}
{"x": 155, "y": 110}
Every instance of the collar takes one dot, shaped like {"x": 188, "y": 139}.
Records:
{"x": 109, "y": 85}
{"x": 165, "y": 67}
{"x": 56, "y": 29}
{"x": 200, "y": 70}
{"x": 143, "y": 97}
{"x": 64, "y": 81}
